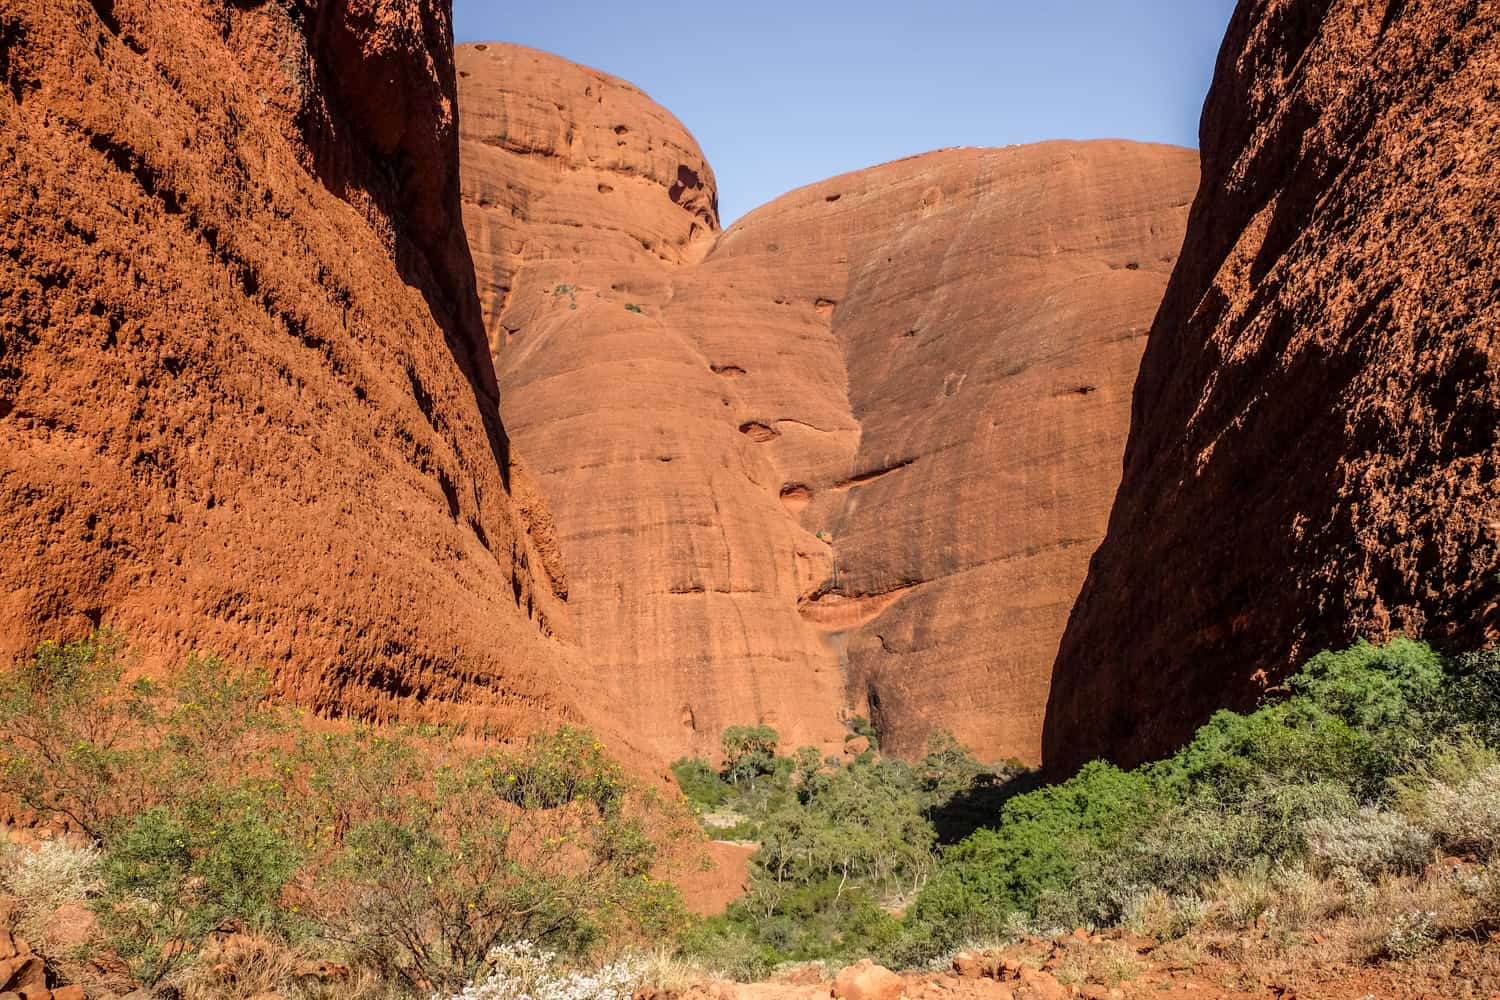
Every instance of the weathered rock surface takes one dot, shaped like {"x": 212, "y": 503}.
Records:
{"x": 1312, "y": 451}
{"x": 865, "y": 980}
{"x": 246, "y": 402}
{"x": 850, "y": 455}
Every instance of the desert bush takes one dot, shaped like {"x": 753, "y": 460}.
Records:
{"x": 49, "y": 875}
{"x": 1455, "y": 796}
{"x": 431, "y": 869}
{"x": 1411, "y": 934}
{"x": 69, "y": 727}
{"x": 1155, "y": 913}
{"x": 39, "y": 880}
{"x": 522, "y": 971}
{"x": 1372, "y": 842}
{"x": 1250, "y": 793}
{"x": 78, "y": 741}
{"x": 403, "y": 851}
{"x": 178, "y": 873}
{"x": 729, "y": 947}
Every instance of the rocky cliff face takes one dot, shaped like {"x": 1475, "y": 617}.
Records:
{"x": 246, "y": 400}
{"x": 850, "y": 455}
{"x": 1312, "y": 450}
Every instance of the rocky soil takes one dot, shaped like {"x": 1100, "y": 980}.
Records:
{"x": 1081, "y": 966}
{"x": 834, "y": 458}
{"x": 1312, "y": 452}
{"x": 23, "y": 973}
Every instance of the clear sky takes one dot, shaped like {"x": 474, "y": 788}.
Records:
{"x": 780, "y": 93}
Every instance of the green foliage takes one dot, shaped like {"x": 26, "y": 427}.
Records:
{"x": 860, "y": 726}
{"x": 1039, "y": 846}
{"x": 1244, "y": 792}
{"x": 400, "y": 850}
{"x": 76, "y": 740}
{"x": 176, "y": 873}
{"x": 749, "y": 753}
{"x": 632, "y": 307}
{"x": 700, "y": 783}
{"x": 1471, "y": 698}
{"x": 841, "y": 846}
{"x": 861, "y": 824}
{"x": 67, "y": 722}
{"x": 427, "y": 869}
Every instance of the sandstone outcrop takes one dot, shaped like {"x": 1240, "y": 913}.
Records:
{"x": 1312, "y": 453}
{"x": 849, "y": 456}
{"x": 246, "y": 401}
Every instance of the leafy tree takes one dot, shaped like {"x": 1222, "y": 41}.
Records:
{"x": 749, "y": 753}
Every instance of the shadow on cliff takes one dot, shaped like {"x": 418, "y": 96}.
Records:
{"x": 406, "y": 160}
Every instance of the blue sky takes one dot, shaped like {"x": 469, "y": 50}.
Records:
{"x": 781, "y": 94}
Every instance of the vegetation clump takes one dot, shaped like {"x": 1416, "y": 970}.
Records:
{"x": 1367, "y": 764}
{"x": 210, "y": 830}
{"x": 405, "y": 853}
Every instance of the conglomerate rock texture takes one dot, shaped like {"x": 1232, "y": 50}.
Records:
{"x": 849, "y": 456}
{"x": 246, "y": 403}
{"x": 1313, "y": 449}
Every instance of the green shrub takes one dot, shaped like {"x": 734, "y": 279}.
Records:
{"x": 68, "y": 728}
{"x": 177, "y": 873}
{"x": 427, "y": 869}
{"x": 860, "y": 726}
{"x": 77, "y": 741}
{"x": 398, "y": 850}
{"x": 1042, "y": 842}
{"x": 1471, "y": 698}
{"x": 700, "y": 783}
{"x": 1245, "y": 793}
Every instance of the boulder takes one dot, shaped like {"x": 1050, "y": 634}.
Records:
{"x": 70, "y": 925}
{"x": 867, "y": 981}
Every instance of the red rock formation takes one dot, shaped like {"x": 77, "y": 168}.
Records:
{"x": 1312, "y": 451}
{"x": 246, "y": 402}
{"x": 850, "y": 455}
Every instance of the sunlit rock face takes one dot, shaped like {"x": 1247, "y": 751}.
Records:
{"x": 850, "y": 455}
{"x": 246, "y": 402}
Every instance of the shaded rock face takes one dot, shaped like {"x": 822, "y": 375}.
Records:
{"x": 246, "y": 402}
{"x": 849, "y": 456}
{"x": 1312, "y": 452}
